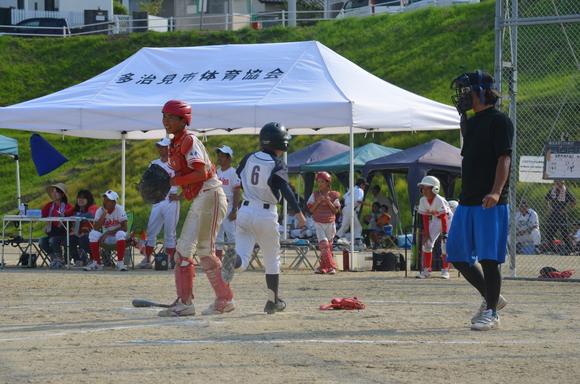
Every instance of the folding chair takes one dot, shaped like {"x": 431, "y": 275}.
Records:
{"x": 109, "y": 251}
{"x": 387, "y": 237}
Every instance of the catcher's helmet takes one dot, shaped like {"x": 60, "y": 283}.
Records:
{"x": 430, "y": 181}
{"x": 471, "y": 81}
{"x": 274, "y": 136}
{"x": 323, "y": 175}
{"x": 179, "y": 108}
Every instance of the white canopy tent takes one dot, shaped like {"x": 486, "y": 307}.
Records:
{"x": 233, "y": 89}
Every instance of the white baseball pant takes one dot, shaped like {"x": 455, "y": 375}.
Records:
{"x": 228, "y": 228}
{"x": 345, "y": 226}
{"x": 434, "y": 232}
{"x": 325, "y": 231}
{"x": 163, "y": 214}
{"x": 94, "y": 237}
{"x": 202, "y": 223}
{"x": 256, "y": 224}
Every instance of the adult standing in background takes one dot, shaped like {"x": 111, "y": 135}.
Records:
{"x": 231, "y": 186}
{"x": 559, "y": 201}
{"x": 347, "y": 212}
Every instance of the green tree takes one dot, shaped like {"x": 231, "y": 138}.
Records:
{"x": 119, "y": 9}
{"x": 152, "y": 7}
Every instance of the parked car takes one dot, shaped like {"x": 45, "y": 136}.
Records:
{"x": 363, "y": 8}
{"x": 420, "y": 4}
{"x": 41, "y": 26}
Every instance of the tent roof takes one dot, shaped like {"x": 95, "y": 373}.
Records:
{"x": 8, "y": 146}
{"x": 435, "y": 154}
{"x": 235, "y": 89}
{"x": 320, "y": 150}
{"x": 341, "y": 162}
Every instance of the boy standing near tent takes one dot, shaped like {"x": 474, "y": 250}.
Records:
{"x": 264, "y": 179}
{"x": 348, "y": 211}
{"x": 197, "y": 177}
{"x": 437, "y": 217}
{"x": 479, "y": 230}
{"x": 324, "y": 205}
{"x": 231, "y": 186}
{"x": 163, "y": 214}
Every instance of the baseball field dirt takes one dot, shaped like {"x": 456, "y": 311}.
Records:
{"x": 72, "y": 326}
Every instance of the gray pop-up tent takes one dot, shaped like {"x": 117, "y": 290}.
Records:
{"x": 436, "y": 158}
{"x": 9, "y": 147}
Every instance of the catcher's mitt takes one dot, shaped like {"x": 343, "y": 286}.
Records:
{"x": 154, "y": 184}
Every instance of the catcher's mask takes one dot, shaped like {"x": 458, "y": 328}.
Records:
{"x": 274, "y": 136}
{"x": 467, "y": 82}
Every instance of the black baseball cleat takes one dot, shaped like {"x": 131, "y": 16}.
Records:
{"x": 271, "y": 308}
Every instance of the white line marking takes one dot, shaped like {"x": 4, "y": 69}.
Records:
{"x": 100, "y": 330}
{"x": 347, "y": 341}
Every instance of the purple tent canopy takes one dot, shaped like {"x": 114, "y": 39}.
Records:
{"x": 435, "y": 158}
{"x": 318, "y": 151}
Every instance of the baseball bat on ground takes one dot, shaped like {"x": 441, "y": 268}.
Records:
{"x": 145, "y": 303}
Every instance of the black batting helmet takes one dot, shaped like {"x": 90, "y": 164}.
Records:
{"x": 274, "y": 136}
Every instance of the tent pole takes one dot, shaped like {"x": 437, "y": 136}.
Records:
{"x": 123, "y": 143}
{"x": 18, "y": 190}
{"x": 351, "y": 189}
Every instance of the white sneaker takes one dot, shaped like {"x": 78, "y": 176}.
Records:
{"x": 486, "y": 322}
{"x": 332, "y": 272}
{"x": 445, "y": 273}
{"x": 212, "y": 310}
{"x": 93, "y": 266}
{"x": 342, "y": 241}
{"x": 425, "y": 274}
{"x": 121, "y": 266}
{"x": 501, "y": 302}
{"x": 144, "y": 264}
{"x": 178, "y": 309}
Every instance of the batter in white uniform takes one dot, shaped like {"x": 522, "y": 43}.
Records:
{"x": 264, "y": 179}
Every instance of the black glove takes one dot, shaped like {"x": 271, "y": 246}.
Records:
{"x": 154, "y": 185}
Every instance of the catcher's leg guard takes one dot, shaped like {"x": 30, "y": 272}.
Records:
{"x": 184, "y": 274}
{"x": 212, "y": 267}
{"x": 323, "y": 248}
{"x": 331, "y": 263}
{"x": 148, "y": 252}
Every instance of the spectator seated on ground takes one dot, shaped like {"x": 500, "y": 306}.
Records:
{"x": 307, "y": 231}
{"x": 528, "y": 225}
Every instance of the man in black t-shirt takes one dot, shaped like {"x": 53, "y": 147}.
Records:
{"x": 479, "y": 229}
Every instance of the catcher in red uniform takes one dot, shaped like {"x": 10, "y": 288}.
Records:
{"x": 196, "y": 175}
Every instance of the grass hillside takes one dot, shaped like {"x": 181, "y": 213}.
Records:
{"x": 419, "y": 51}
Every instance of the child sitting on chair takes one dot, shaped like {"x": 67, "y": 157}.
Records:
{"x": 436, "y": 221}
{"x": 110, "y": 216}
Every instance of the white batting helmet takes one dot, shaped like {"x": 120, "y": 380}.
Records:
{"x": 430, "y": 181}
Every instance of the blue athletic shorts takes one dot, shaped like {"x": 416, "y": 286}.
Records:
{"x": 478, "y": 234}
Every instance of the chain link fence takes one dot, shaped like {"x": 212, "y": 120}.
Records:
{"x": 538, "y": 69}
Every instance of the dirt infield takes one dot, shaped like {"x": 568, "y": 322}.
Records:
{"x": 71, "y": 326}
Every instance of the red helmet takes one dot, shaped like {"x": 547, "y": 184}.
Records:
{"x": 179, "y": 108}
{"x": 323, "y": 175}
